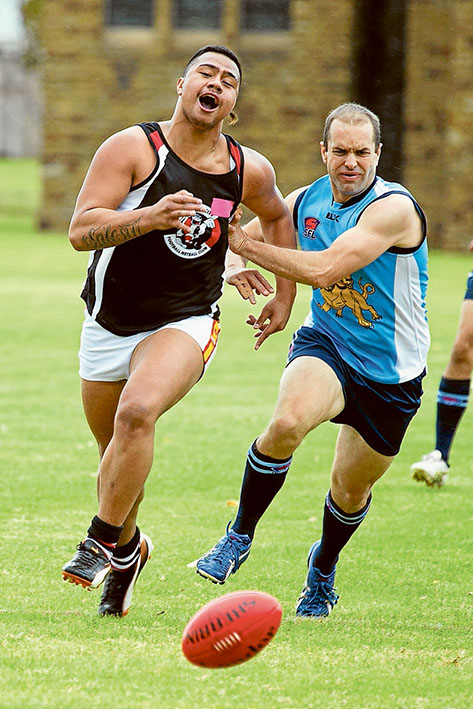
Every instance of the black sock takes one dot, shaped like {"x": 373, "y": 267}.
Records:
{"x": 126, "y": 555}
{"x": 264, "y": 477}
{"x": 129, "y": 547}
{"x": 338, "y": 526}
{"x": 452, "y": 400}
{"x": 104, "y": 532}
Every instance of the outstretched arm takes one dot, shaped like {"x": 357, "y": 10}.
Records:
{"x": 392, "y": 221}
{"x": 97, "y": 223}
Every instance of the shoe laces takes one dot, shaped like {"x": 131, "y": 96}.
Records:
{"x": 91, "y": 554}
{"x": 228, "y": 548}
{"x": 319, "y": 592}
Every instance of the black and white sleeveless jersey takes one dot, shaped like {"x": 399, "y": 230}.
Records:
{"x": 164, "y": 276}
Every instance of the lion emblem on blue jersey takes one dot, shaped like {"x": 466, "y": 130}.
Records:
{"x": 343, "y": 294}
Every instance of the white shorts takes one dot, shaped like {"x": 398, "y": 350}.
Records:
{"x": 105, "y": 357}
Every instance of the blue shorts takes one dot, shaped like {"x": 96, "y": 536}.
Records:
{"x": 379, "y": 412}
{"x": 469, "y": 287}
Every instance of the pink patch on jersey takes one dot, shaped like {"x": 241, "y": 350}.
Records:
{"x": 221, "y": 207}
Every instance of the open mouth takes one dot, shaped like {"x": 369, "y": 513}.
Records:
{"x": 208, "y": 102}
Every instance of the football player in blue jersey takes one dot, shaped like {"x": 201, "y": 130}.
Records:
{"x": 153, "y": 212}
{"x": 452, "y": 397}
{"x": 358, "y": 359}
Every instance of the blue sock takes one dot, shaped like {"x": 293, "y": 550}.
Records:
{"x": 337, "y": 528}
{"x": 264, "y": 477}
{"x": 452, "y": 400}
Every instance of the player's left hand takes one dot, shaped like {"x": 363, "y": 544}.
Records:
{"x": 273, "y": 318}
{"x": 249, "y": 282}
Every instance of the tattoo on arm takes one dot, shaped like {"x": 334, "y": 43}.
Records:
{"x": 104, "y": 236}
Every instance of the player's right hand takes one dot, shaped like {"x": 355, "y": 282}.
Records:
{"x": 273, "y": 318}
{"x": 171, "y": 207}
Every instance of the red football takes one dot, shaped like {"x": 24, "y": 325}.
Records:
{"x": 231, "y": 629}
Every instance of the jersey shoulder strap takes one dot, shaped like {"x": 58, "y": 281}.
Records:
{"x": 154, "y": 134}
{"x": 236, "y": 152}
{"x": 295, "y": 209}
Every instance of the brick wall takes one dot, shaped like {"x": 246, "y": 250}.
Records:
{"x": 439, "y": 117}
{"x": 98, "y": 80}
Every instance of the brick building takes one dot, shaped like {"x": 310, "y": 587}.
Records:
{"x": 107, "y": 64}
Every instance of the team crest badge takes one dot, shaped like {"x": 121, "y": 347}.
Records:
{"x": 205, "y": 232}
{"x": 343, "y": 294}
{"x": 310, "y": 225}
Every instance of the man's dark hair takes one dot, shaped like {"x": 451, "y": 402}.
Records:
{"x": 219, "y": 49}
{"x": 353, "y": 113}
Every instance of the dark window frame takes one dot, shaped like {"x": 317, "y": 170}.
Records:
{"x": 249, "y": 8}
{"x": 214, "y": 13}
{"x": 247, "y": 11}
{"x": 114, "y": 8}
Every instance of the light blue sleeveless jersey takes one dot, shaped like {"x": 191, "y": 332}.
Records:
{"x": 376, "y": 317}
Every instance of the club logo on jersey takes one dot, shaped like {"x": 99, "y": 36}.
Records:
{"x": 310, "y": 225}
{"x": 205, "y": 232}
{"x": 343, "y": 294}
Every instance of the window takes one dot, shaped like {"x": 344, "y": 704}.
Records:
{"x": 264, "y": 15}
{"x": 129, "y": 13}
{"x": 252, "y": 15}
{"x": 197, "y": 15}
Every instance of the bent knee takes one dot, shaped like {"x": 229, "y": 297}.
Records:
{"x": 350, "y": 495}
{"x": 462, "y": 353}
{"x": 288, "y": 429}
{"x": 350, "y": 499}
{"x": 134, "y": 416}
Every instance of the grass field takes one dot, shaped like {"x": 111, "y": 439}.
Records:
{"x": 401, "y": 635}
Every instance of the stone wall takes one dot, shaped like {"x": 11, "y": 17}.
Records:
{"x": 98, "y": 80}
{"x": 439, "y": 117}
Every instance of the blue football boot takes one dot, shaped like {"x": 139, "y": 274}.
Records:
{"x": 318, "y": 596}
{"x": 225, "y": 557}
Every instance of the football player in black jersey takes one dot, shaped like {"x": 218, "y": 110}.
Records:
{"x": 151, "y": 321}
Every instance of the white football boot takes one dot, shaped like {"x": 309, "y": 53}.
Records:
{"x": 432, "y": 469}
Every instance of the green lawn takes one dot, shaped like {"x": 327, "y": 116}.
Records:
{"x": 401, "y": 635}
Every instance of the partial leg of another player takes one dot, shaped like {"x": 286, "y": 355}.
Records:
{"x": 164, "y": 367}
{"x": 452, "y": 401}
{"x": 355, "y": 469}
{"x": 309, "y": 394}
